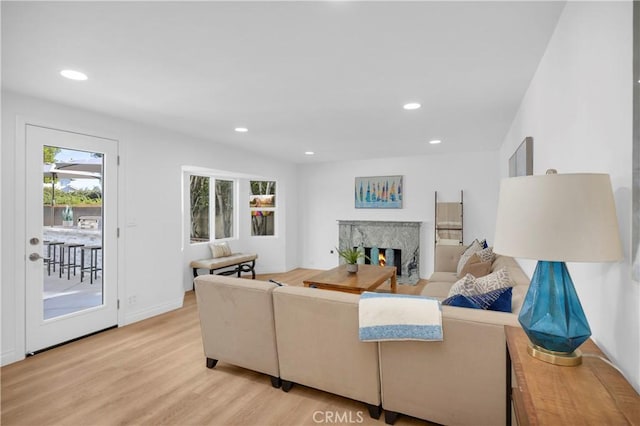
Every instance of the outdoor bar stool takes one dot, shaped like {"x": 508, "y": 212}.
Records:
{"x": 65, "y": 259}
{"x": 51, "y": 257}
{"x": 93, "y": 263}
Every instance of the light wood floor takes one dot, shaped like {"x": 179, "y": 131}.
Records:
{"x": 153, "y": 373}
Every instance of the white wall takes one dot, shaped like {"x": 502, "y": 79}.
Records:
{"x": 578, "y": 109}
{"x": 326, "y": 195}
{"x": 152, "y": 266}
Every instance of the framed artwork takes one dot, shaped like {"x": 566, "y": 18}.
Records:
{"x": 521, "y": 162}
{"x": 379, "y": 192}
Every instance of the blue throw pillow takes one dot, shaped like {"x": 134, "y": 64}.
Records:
{"x": 496, "y": 300}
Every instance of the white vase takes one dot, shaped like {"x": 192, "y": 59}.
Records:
{"x": 67, "y": 223}
{"x": 352, "y": 267}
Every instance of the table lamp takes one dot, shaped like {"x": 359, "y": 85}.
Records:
{"x": 556, "y": 218}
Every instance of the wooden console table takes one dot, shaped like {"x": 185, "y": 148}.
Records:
{"x": 593, "y": 393}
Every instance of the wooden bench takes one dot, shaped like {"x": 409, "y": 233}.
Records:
{"x": 242, "y": 262}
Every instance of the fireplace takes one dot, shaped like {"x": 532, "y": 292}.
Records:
{"x": 403, "y": 237}
{"x": 382, "y": 258}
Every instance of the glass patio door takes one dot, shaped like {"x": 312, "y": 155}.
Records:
{"x": 71, "y": 251}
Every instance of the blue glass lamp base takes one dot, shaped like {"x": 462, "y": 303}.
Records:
{"x": 551, "y": 314}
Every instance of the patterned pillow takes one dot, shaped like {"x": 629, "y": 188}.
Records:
{"x": 220, "y": 249}
{"x": 473, "y": 247}
{"x": 472, "y": 286}
{"x": 496, "y": 300}
{"x": 486, "y": 254}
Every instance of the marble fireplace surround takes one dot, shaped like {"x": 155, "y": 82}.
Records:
{"x": 389, "y": 234}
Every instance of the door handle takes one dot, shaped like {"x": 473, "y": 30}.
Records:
{"x": 35, "y": 256}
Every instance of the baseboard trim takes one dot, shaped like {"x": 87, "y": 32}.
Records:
{"x": 153, "y": 311}
{"x": 9, "y": 357}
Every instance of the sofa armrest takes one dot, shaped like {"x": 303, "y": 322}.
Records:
{"x": 447, "y": 258}
{"x": 236, "y": 318}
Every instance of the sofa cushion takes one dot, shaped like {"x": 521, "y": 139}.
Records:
{"x": 437, "y": 289}
{"x": 447, "y": 258}
{"x": 448, "y": 277}
{"x": 495, "y": 300}
{"x": 471, "y": 286}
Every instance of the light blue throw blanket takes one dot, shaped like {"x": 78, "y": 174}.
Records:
{"x": 385, "y": 317}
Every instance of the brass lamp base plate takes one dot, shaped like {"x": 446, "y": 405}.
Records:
{"x": 565, "y": 359}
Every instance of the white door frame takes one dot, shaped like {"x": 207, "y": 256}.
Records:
{"x": 20, "y": 261}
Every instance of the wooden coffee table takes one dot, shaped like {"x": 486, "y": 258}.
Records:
{"x": 368, "y": 278}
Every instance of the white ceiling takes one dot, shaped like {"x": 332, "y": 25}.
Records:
{"x": 329, "y": 77}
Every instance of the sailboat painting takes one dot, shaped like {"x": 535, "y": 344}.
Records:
{"x": 379, "y": 192}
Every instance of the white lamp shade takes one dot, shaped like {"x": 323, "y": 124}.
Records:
{"x": 558, "y": 217}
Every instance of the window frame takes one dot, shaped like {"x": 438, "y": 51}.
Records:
{"x": 271, "y": 209}
{"x": 212, "y": 208}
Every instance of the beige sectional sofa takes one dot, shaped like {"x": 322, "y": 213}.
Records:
{"x": 310, "y": 336}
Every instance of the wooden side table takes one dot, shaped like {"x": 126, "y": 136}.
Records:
{"x": 593, "y": 393}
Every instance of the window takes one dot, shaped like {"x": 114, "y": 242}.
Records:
{"x": 262, "y": 206}
{"x": 202, "y": 190}
{"x": 224, "y": 209}
{"x": 199, "y": 190}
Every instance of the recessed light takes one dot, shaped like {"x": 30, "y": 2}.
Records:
{"x": 241, "y": 129}
{"x": 411, "y": 105}
{"x": 74, "y": 75}
{"x": 309, "y": 153}
{"x": 435, "y": 141}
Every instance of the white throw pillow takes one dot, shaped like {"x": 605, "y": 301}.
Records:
{"x": 220, "y": 249}
{"x": 472, "y": 286}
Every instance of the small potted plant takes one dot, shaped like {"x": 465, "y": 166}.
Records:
{"x": 351, "y": 256}
{"x": 67, "y": 216}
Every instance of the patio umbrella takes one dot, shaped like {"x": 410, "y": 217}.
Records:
{"x": 92, "y": 165}
{"x": 52, "y": 171}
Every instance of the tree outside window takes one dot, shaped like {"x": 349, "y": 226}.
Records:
{"x": 199, "y": 190}
{"x": 262, "y": 205}
{"x": 202, "y": 190}
{"x": 224, "y": 209}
